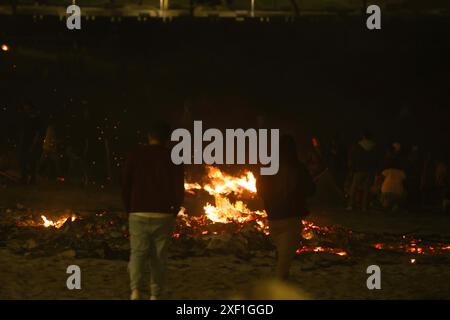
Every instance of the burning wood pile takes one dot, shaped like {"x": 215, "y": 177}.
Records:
{"x": 226, "y": 223}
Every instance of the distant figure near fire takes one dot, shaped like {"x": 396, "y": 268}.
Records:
{"x": 153, "y": 191}
{"x": 284, "y": 196}
{"x": 31, "y": 142}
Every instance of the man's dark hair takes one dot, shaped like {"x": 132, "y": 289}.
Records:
{"x": 159, "y": 130}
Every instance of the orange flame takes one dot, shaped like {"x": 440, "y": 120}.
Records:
{"x": 224, "y": 184}
{"x": 221, "y": 185}
{"x": 191, "y": 187}
{"x": 58, "y": 223}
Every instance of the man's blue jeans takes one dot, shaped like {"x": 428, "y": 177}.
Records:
{"x": 149, "y": 242}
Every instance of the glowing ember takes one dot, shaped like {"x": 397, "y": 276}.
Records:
{"x": 413, "y": 261}
{"x": 321, "y": 249}
{"x": 414, "y": 246}
{"x": 58, "y": 223}
{"x": 308, "y": 235}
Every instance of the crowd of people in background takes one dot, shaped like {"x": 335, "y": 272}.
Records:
{"x": 41, "y": 149}
{"x": 396, "y": 178}
{"x": 369, "y": 174}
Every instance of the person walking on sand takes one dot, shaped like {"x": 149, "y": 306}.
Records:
{"x": 284, "y": 196}
{"x": 153, "y": 191}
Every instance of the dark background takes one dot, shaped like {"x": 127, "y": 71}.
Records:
{"x": 315, "y": 76}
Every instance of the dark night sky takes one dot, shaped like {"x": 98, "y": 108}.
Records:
{"x": 318, "y": 77}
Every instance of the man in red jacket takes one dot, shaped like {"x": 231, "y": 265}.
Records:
{"x": 153, "y": 191}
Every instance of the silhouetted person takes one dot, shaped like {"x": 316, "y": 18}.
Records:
{"x": 363, "y": 164}
{"x": 153, "y": 191}
{"x": 284, "y": 196}
{"x": 394, "y": 153}
{"x": 337, "y": 161}
{"x": 49, "y": 163}
{"x": 315, "y": 158}
{"x": 413, "y": 169}
{"x": 393, "y": 191}
{"x": 31, "y": 141}
{"x": 442, "y": 183}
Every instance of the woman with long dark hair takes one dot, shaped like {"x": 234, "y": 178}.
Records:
{"x": 284, "y": 196}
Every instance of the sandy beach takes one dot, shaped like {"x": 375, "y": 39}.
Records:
{"x": 222, "y": 276}
{"x": 219, "y": 277}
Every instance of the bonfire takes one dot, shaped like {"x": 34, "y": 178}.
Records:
{"x": 229, "y": 210}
